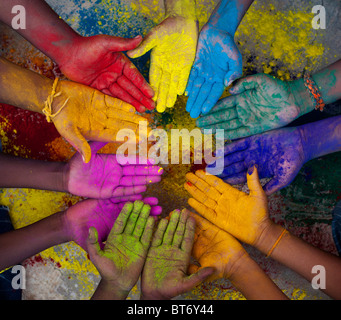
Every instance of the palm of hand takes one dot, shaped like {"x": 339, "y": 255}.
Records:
{"x": 163, "y": 275}
{"x": 215, "y": 248}
{"x": 123, "y": 252}
{"x": 96, "y": 179}
{"x": 270, "y": 105}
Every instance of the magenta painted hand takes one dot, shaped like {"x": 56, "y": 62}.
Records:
{"x": 98, "y": 62}
{"x": 103, "y": 177}
{"x": 100, "y": 214}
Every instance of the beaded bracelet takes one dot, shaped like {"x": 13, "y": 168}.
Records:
{"x": 314, "y": 91}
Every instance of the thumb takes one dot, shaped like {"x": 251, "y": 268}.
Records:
{"x": 194, "y": 279}
{"x": 76, "y": 139}
{"x": 253, "y": 182}
{"x": 230, "y": 77}
{"x": 148, "y": 43}
{"x": 122, "y": 44}
{"x": 93, "y": 246}
{"x": 242, "y": 85}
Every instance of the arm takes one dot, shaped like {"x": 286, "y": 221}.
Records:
{"x": 228, "y": 14}
{"x": 96, "y": 61}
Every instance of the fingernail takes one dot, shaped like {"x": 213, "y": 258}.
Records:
{"x": 189, "y": 183}
{"x": 251, "y": 169}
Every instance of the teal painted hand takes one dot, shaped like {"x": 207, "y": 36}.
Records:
{"x": 258, "y": 103}
{"x": 165, "y": 273}
{"x": 124, "y": 254}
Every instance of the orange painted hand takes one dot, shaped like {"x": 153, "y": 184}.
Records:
{"x": 81, "y": 113}
{"x": 173, "y": 43}
{"x": 215, "y": 248}
{"x": 245, "y": 216}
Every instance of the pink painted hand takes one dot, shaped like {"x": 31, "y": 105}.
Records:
{"x": 103, "y": 177}
{"x": 121, "y": 260}
{"x": 165, "y": 274}
{"x": 98, "y": 62}
{"x": 245, "y": 216}
{"x": 100, "y": 214}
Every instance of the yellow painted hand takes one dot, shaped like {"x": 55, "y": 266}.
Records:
{"x": 89, "y": 114}
{"x": 215, "y": 248}
{"x": 245, "y": 216}
{"x": 173, "y": 43}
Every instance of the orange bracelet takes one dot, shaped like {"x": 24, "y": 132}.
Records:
{"x": 277, "y": 241}
{"x": 314, "y": 91}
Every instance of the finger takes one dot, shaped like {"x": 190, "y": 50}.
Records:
{"x": 156, "y": 211}
{"x": 206, "y": 212}
{"x": 183, "y": 79}
{"x": 158, "y": 236}
{"x": 141, "y": 221}
{"x": 127, "y": 181}
{"x": 188, "y": 238}
{"x": 93, "y": 246}
{"x": 134, "y": 91}
{"x": 148, "y": 232}
{"x": 134, "y": 215}
{"x": 201, "y": 184}
{"x": 173, "y": 90}
{"x": 235, "y": 179}
{"x": 217, "y": 117}
{"x": 217, "y": 183}
{"x": 225, "y": 103}
{"x": 236, "y": 146}
{"x": 247, "y": 83}
{"x": 192, "y": 76}
{"x": 200, "y": 196}
{"x": 117, "y": 44}
{"x": 198, "y": 103}
{"x": 232, "y": 75}
{"x": 253, "y": 182}
{"x": 125, "y": 199}
{"x": 128, "y": 191}
{"x": 196, "y": 278}
{"x": 233, "y": 158}
{"x": 148, "y": 43}
{"x": 196, "y": 87}
{"x": 122, "y": 219}
{"x": 155, "y": 74}
{"x": 172, "y": 225}
{"x": 234, "y": 168}
{"x": 214, "y": 95}
{"x": 76, "y": 139}
{"x": 140, "y": 170}
{"x": 152, "y": 201}
{"x": 229, "y": 127}
{"x": 241, "y": 132}
{"x": 163, "y": 91}
{"x": 179, "y": 232}
{"x": 117, "y": 91}
{"x": 273, "y": 186}
{"x": 205, "y": 91}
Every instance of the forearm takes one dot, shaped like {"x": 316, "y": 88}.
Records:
{"x": 253, "y": 283}
{"x": 317, "y": 144}
{"x": 23, "y": 88}
{"x": 328, "y": 82}
{"x": 106, "y": 291}
{"x": 228, "y": 14}
{"x": 44, "y": 29}
{"x": 17, "y": 172}
{"x": 184, "y": 8}
{"x": 23, "y": 243}
{"x": 301, "y": 257}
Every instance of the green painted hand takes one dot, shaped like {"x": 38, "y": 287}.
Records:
{"x": 121, "y": 262}
{"x": 165, "y": 274}
{"x": 258, "y": 103}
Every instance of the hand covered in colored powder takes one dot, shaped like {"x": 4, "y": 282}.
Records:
{"x": 100, "y": 214}
{"x": 98, "y": 62}
{"x": 279, "y": 155}
{"x": 90, "y": 114}
{"x": 173, "y": 43}
{"x": 121, "y": 261}
{"x": 258, "y": 103}
{"x": 218, "y": 62}
{"x": 245, "y": 216}
{"x": 215, "y": 248}
{"x": 103, "y": 177}
{"x": 164, "y": 275}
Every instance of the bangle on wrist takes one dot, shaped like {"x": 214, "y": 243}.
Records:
{"x": 277, "y": 242}
{"x": 314, "y": 92}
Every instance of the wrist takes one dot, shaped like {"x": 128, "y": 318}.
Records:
{"x": 107, "y": 290}
{"x": 182, "y": 8}
{"x": 301, "y": 96}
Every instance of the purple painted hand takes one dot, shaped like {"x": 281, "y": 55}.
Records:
{"x": 279, "y": 154}
{"x": 103, "y": 177}
{"x": 100, "y": 214}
